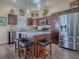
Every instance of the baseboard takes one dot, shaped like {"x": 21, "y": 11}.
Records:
{"x": 1, "y": 43}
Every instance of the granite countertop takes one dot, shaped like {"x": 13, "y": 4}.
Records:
{"x": 33, "y": 33}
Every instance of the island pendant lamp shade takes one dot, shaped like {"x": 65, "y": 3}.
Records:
{"x": 36, "y": 1}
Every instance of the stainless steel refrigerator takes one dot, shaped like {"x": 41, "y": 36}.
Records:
{"x": 69, "y": 31}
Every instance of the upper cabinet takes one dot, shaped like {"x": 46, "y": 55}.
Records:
{"x": 35, "y": 21}
{"x": 42, "y": 21}
{"x": 29, "y": 21}
{"x": 74, "y": 4}
{"x": 63, "y": 12}
{"x": 12, "y": 19}
{"x": 73, "y": 10}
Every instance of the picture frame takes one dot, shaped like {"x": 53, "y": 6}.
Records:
{"x": 2, "y": 21}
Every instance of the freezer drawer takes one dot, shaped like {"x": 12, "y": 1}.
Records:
{"x": 63, "y": 43}
{"x": 70, "y": 45}
{"x": 77, "y": 47}
{"x": 77, "y": 40}
{"x": 71, "y": 39}
{"x": 67, "y": 44}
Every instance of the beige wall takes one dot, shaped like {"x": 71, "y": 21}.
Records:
{"x": 4, "y": 10}
{"x": 65, "y": 4}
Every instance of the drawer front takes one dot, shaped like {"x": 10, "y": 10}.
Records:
{"x": 71, "y": 39}
{"x": 77, "y": 47}
{"x": 71, "y": 45}
{"x": 77, "y": 40}
{"x": 66, "y": 44}
{"x": 63, "y": 44}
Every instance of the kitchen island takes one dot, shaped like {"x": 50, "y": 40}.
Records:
{"x": 31, "y": 33}
{"x": 36, "y": 36}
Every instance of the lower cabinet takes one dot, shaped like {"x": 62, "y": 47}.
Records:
{"x": 36, "y": 38}
{"x": 55, "y": 37}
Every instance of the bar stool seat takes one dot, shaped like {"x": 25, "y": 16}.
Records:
{"x": 44, "y": 43}
{"x": 25, "y": 44}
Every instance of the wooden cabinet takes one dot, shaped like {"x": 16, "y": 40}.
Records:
{"x": 55, "y": 37}
{"x": 41, "y": 37}
{"x": 54, "y": 31}
{"x": 75, "y": 3}
{"x": 36, "y": 38}
{"x": 42, "y": 21}
{"x": 73, "y": 10}
{"x": 29, "y": 21}
{"x": 63, "y": 12}
{"x": 12, "y": 19}
{"x": 35, "y": 21}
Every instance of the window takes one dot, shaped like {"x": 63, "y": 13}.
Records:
{"x": 22, "y": 22}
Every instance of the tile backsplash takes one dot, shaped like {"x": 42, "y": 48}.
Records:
{"x": 45, "y": 26}
{"x": 15, "y": 28}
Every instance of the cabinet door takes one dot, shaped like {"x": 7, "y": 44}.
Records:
{"x": 71, "y": 24}
{"x": 12, "y": 19}
{"x": 29, "y": 22}
{"x": 42, "y": 21}
{"x": 35, "y": 21}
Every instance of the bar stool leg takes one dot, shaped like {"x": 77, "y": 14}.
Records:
{"x": 19, "y": 51}
{"x": 25, "y": 53}
{"x": 33, "y": 52}
{"x": 44, "y": 51}
{"x": 38, "y": 51}
{"x": 50, "y": 49}
{"x": 15, "y": 48}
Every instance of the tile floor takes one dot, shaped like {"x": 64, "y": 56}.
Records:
{"x": 7, "y": 52}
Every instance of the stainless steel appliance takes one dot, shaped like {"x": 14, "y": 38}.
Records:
{"x": 69, "y": 31}
{"x": 12, "y": 37}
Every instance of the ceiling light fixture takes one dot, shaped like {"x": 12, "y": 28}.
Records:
{"x": 14, "y": 0}
{"x": 36, "y": 1}
{"x": 38, "y": 6}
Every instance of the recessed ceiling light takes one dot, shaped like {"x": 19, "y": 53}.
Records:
{"x": 47, "y": 2}
{"x": 38, "y": 5}
{"x": 14, "y": 0}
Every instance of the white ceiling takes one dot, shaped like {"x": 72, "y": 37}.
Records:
{"x": 30, "y": 4}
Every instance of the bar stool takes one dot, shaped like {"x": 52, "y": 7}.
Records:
{"x": 16, "y": 42}
{"x": 43, "y": 43}
{"x": 24, "y": 48}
